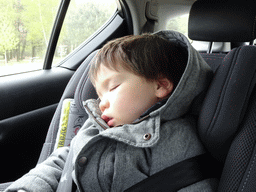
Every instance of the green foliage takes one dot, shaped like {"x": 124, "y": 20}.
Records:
{"x": 25, "y": 25}
{"x": 37, "y": 17}
{"x": 82, "y": 21}
{"x": 8, "y": 33}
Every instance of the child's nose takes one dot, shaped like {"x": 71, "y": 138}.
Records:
{"x": 104, "y": 104}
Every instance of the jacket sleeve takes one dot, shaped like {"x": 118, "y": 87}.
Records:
{"x": 45, "y": 176}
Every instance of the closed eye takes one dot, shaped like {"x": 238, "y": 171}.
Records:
{"x": 113, "y": 88}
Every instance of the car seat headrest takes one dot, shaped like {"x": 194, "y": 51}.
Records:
{"x": 222, "y": 21}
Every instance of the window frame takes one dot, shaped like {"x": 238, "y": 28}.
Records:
{"x": 59, "y": 19}
{"x": 107, "y": 31}
{"x": 94, "y": 42}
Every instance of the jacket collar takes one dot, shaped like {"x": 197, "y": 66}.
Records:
{"x": 144, "y": 132}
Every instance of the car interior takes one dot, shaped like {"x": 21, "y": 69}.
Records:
{"x": 223, "y": 31}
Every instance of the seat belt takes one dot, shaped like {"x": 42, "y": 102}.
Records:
{"x": 180, "y": 175}
{"x": 151, "y": 16}
{"x": 148, "y": 27}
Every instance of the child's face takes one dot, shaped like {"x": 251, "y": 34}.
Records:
{"x": 124, "y": 96}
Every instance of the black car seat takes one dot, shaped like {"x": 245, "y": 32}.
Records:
{"x": 227, "y": 119}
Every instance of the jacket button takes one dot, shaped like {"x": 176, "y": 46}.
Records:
{"x": 147, "y": 136}
{"x": 82, "y": 161}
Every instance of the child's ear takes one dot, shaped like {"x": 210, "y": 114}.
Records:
{"x": 164, "y": 87}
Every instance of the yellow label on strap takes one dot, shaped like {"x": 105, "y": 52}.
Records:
{"x": 64, "y": 123}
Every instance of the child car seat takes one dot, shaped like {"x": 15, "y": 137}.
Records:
{"x": 228, "y": 116}
{"x": 79, "y": 88}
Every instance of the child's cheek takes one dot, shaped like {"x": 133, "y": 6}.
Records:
{"x": 126, "y": 101}
{"x": 119, "y": 101}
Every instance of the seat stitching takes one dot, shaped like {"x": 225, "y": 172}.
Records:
{"x": 223, "y": 93}
{"x": 247, "y": 177}
{"x": 253, "y": 29}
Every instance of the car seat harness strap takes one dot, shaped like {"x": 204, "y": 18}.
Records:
{"x": 180, "y": 175}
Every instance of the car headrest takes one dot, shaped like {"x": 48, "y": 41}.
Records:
{"x": 222, "y": 21}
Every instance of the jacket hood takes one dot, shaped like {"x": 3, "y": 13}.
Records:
{"x": 194, "y": 80}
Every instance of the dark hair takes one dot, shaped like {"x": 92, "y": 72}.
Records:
{"x": 149, "y": 56}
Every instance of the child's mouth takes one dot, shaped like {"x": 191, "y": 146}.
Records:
{"x": 108, "y": 120}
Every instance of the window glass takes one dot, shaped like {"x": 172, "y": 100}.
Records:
{"x": 179, "y": 24}
{"x": 83, "y": 18}
{"x": 25, "y": 29}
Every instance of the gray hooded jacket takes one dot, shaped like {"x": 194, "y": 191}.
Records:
{"x": 114, "y": 159}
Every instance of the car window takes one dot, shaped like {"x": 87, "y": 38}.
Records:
{"x": 25, "y": 29}
{"x": 179, "y": 24}
{"x": 83, "y": 18}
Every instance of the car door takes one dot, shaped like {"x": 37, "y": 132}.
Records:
{"x": 29, "y": 93}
